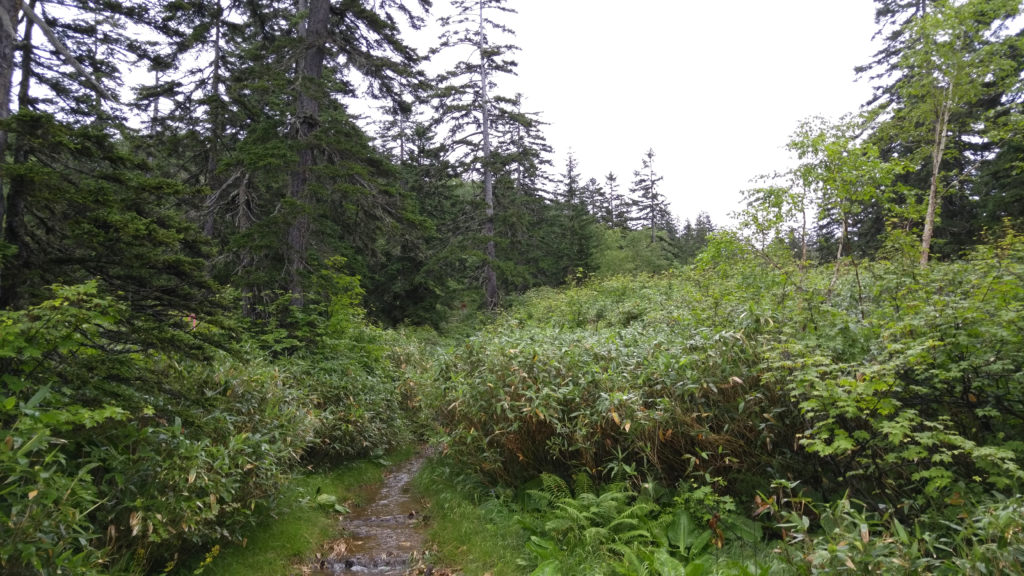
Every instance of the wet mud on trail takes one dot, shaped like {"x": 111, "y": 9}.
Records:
{"x": 384, "y": 537}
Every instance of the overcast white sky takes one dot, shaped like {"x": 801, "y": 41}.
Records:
{"x": 714, "y": 87}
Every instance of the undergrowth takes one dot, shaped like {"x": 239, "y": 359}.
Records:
{"x": 124, "y": 453}
{"x": 870, "y": 421}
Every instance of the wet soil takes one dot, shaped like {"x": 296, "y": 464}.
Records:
{"x": 384, "y": 537}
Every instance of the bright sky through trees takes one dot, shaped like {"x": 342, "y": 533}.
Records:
{"x": 714, "y": 88}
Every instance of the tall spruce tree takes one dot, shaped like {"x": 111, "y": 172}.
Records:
{"x": 649, "y": 206}
{"x": 694, "y": 236}
{"x": 576, "y": 222}
{"x": 594, "y": 197}
{"x": 471, "y": 111}
{"x": 615, "y": 205}
{"x": 280, "y": 205}
{"x": 522, "y": 150}
{"x": 527, "y": 225}
{"x": 367, "y": 38}
{"x": 77, "y": 204}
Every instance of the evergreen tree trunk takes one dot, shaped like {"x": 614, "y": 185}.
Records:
{"x": 27, "y": 57}
{"x": 313, "y": 31}
{"x": 654, "y": 212}
{"x": 216, "y": 132}
{"x": 15, "y": 232}
{"x": 490, "y": 277}
{"x": 246, "y": 257}
{"x": 938, "y": 149}
{"x": 8, "y": 19}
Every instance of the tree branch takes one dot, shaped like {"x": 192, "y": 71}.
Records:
{"x": 63, "y": 50}
{"x": 5, "y": 19}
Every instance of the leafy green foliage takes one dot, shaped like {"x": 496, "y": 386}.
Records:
{"x": 621, "y": 252}
{"x": 879, "y": 381}
{"x": 102, "y": 439}
{"x": 573, "y": 380}
{"x": 96, "y": 440}
{"x": 617, "y": 530}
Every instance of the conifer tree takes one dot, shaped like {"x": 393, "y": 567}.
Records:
{"x": 528, "y": 227}
{"x": 594, "y": 197}
{"x": 522, "y": 150}
{"x": 576, "y": 223}
{"x": 649, "y": 206}
{"x": 571, "y": 191}
{"x": 615, "y": 206}
{"x": 280, "y": 205}
{"x": 694, "y": 236}
{"x": 67, "y": 60}
{"x": 471, "y": 110}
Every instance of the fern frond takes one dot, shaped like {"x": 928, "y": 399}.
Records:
{"x": 621, "y": 524}
{"x": 566, "y": 509}
{"x": 641, "y": 510}
{"x": 631, "y": 565}
{"x": 596, "y": 536}
{"x": 559, "y": 526}
{"x": 618, "y": 501}
{"x": 555, "y": 486}
{"x": 583, "y": 484}
{"x": 635, "y": 536}
{"x": 543, "y": 499}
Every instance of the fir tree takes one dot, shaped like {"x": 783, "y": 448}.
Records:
{"x": 649, "y": 206}
{"x": 471, "y": 111}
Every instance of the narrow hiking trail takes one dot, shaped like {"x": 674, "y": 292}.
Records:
{"x": 384, "y": 537}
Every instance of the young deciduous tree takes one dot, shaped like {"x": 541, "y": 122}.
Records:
{"x": 844, "y": 174}
{"x": 770, "y": 209}
{"x": 949, "y": 60}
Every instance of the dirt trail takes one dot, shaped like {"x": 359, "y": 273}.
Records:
{"x": 384, "y": 537}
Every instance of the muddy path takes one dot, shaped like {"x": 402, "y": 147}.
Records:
{"x": 385, "y": 537}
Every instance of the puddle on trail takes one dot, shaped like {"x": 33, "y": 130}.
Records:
{"x": 384, "y": 537}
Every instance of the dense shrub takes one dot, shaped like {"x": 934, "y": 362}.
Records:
{"x": 882, "y": 383}
{"x": 117, "y": 457}
{"x": 651, "y": 372}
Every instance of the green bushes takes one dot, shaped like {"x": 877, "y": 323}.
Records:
{"x": 893, "y": 385}
{"x": 45, "y": 501}
{"x": 174, "y": 486}
{"x": 117, "y": 457}
{"x": 616, "y": 370}
{"x": 619, "y": 531}
{"x": 928, "y": 403}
